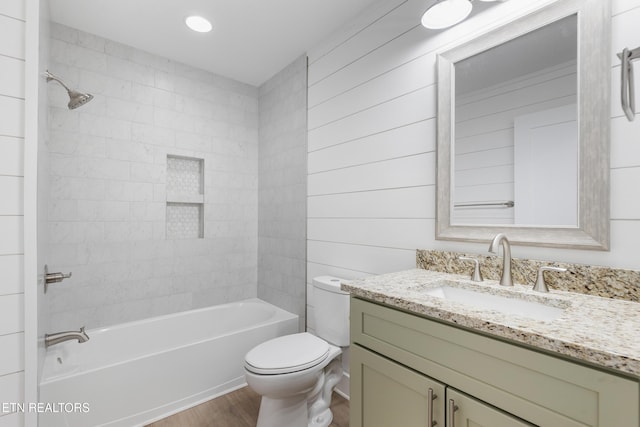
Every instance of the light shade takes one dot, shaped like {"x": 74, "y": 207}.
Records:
{"x": 198, "y": 23}
{"x": 446, "y": 13}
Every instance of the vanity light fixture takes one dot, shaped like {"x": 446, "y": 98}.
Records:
{"x": 198, "y": 24}
{"x": 446, "y": 13}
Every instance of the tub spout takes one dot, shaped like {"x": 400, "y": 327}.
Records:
{"x": 52, "y": 339}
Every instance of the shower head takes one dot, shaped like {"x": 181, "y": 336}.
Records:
{"x": 76, "y": 99}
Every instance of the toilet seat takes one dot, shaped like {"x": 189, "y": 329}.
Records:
{"x": 287, "y": 354}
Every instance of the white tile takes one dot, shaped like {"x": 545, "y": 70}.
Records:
{"x": 12, "y": 309}
{"x": 12, "y": 354}
{"x": 12, "y": 37}
{"x": 108, "y": 177}
{"x": 12, "y": 268}
{"x": 11, "y": 235}
{"x": 11, "y": 188}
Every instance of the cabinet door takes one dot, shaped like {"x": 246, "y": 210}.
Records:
{"x": 386, "y": 394}
{"x": 463, "y": 410}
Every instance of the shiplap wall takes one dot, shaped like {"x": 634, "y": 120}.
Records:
{"x": 484, "y": 146}
{"x": 371, "y": 137}
{"x": 12, "y": 95}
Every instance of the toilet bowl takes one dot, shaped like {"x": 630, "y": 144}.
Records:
{"x": 296, "y": 374}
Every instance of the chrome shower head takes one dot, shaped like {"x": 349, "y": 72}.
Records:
{"x": 76, "y": 99}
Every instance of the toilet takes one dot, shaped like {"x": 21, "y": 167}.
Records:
{"x": 296, "y": 374}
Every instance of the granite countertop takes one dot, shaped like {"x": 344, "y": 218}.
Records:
{"x": 600, "y": 331}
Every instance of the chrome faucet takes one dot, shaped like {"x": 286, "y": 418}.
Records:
{"x": 505, "y": 279}
{"x": 52, "y": 339}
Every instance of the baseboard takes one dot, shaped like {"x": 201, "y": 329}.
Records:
{"x": 342, "y": 388}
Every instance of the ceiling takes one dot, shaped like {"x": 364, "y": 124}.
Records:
{"x": 251, "y": 39}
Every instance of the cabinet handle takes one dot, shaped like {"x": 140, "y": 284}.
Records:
{"x": 452, "y": 408}
{"x": 431, "y": 396}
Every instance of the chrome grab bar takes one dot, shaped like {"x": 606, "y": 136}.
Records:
{"x": 627, "y": 97}
{"x": 506, "y": 204}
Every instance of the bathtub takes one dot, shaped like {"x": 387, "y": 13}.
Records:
{"x": 138, "y": 372}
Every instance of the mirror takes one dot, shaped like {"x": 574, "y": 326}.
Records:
{"x": 523, "y": 131}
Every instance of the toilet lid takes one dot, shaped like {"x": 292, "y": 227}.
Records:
{"x": 289, "y": 353}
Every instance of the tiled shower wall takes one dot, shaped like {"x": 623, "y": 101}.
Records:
{"x": 282, "y": 194}
{"x": 108, "y": 170}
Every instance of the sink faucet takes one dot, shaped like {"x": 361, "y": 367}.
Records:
{"x": 52, "y": 339}
{"x": 505, "y": 279}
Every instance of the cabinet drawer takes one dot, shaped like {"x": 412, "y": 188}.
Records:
{"x": 539, "y": 388}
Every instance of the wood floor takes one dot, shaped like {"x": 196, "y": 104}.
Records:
{"x": 239, "y": 409}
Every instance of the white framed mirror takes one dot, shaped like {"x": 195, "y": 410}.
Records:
{"x": 523, "y": 130}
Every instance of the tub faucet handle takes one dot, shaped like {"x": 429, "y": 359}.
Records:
{"x": 53, "y": 277}
{"x": 540, "y": 285}
{"x": 476, "y": 276}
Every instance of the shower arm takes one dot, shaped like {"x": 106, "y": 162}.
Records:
{"x": 627, "y": 97}
{"x": 52, "y": 77}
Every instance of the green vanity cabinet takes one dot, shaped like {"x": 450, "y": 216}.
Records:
{"x": 398, "y": 357}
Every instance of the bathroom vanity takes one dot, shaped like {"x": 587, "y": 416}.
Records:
{"x": 423, "y": 355}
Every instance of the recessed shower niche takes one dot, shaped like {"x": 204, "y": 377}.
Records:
{"x": 185, "y": 198}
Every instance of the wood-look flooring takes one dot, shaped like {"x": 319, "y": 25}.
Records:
{"x": 239, "y": 409}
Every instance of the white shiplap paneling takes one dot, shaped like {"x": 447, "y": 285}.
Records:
{"x": 12, "y": 158}
{"x": 13, "y": 8}
{"x": 411, "y": 202}
{"x": 12, "y": 37}
{"x": 11, "y": 230}
{"x": 12, "y": 354}
{"x": 369, "y": 106}
{"x": 11, "y": 388}
{"x": 11, "y": 188}
{"x": 12, "y": 309}
{"x": 366, "y": 259}
{"x": 11, "y": 76}
{"x": 395, "y": 173}
{"x": 398, "y": 142}
{"x": 12, "y": 271}
{"x": 12, "y": 113}
{"x": 413, "y": 107}
{"x": 12, "y": 130}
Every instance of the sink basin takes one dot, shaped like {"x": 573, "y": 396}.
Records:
{"x": 502, "y": 304}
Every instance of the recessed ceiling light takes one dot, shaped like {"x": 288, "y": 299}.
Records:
{"x": 198, "y": 23}
{"x": 446, "y": 13}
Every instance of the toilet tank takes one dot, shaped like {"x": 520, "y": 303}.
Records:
{"x": 331, "y": 310}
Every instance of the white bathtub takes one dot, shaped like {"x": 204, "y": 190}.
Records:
{"x": 138, "y": 372}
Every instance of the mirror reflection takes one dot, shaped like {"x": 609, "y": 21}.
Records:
{"x": 515, "y": 150}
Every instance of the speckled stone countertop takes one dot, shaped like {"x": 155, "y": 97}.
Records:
{"x": 600, "y": 331}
